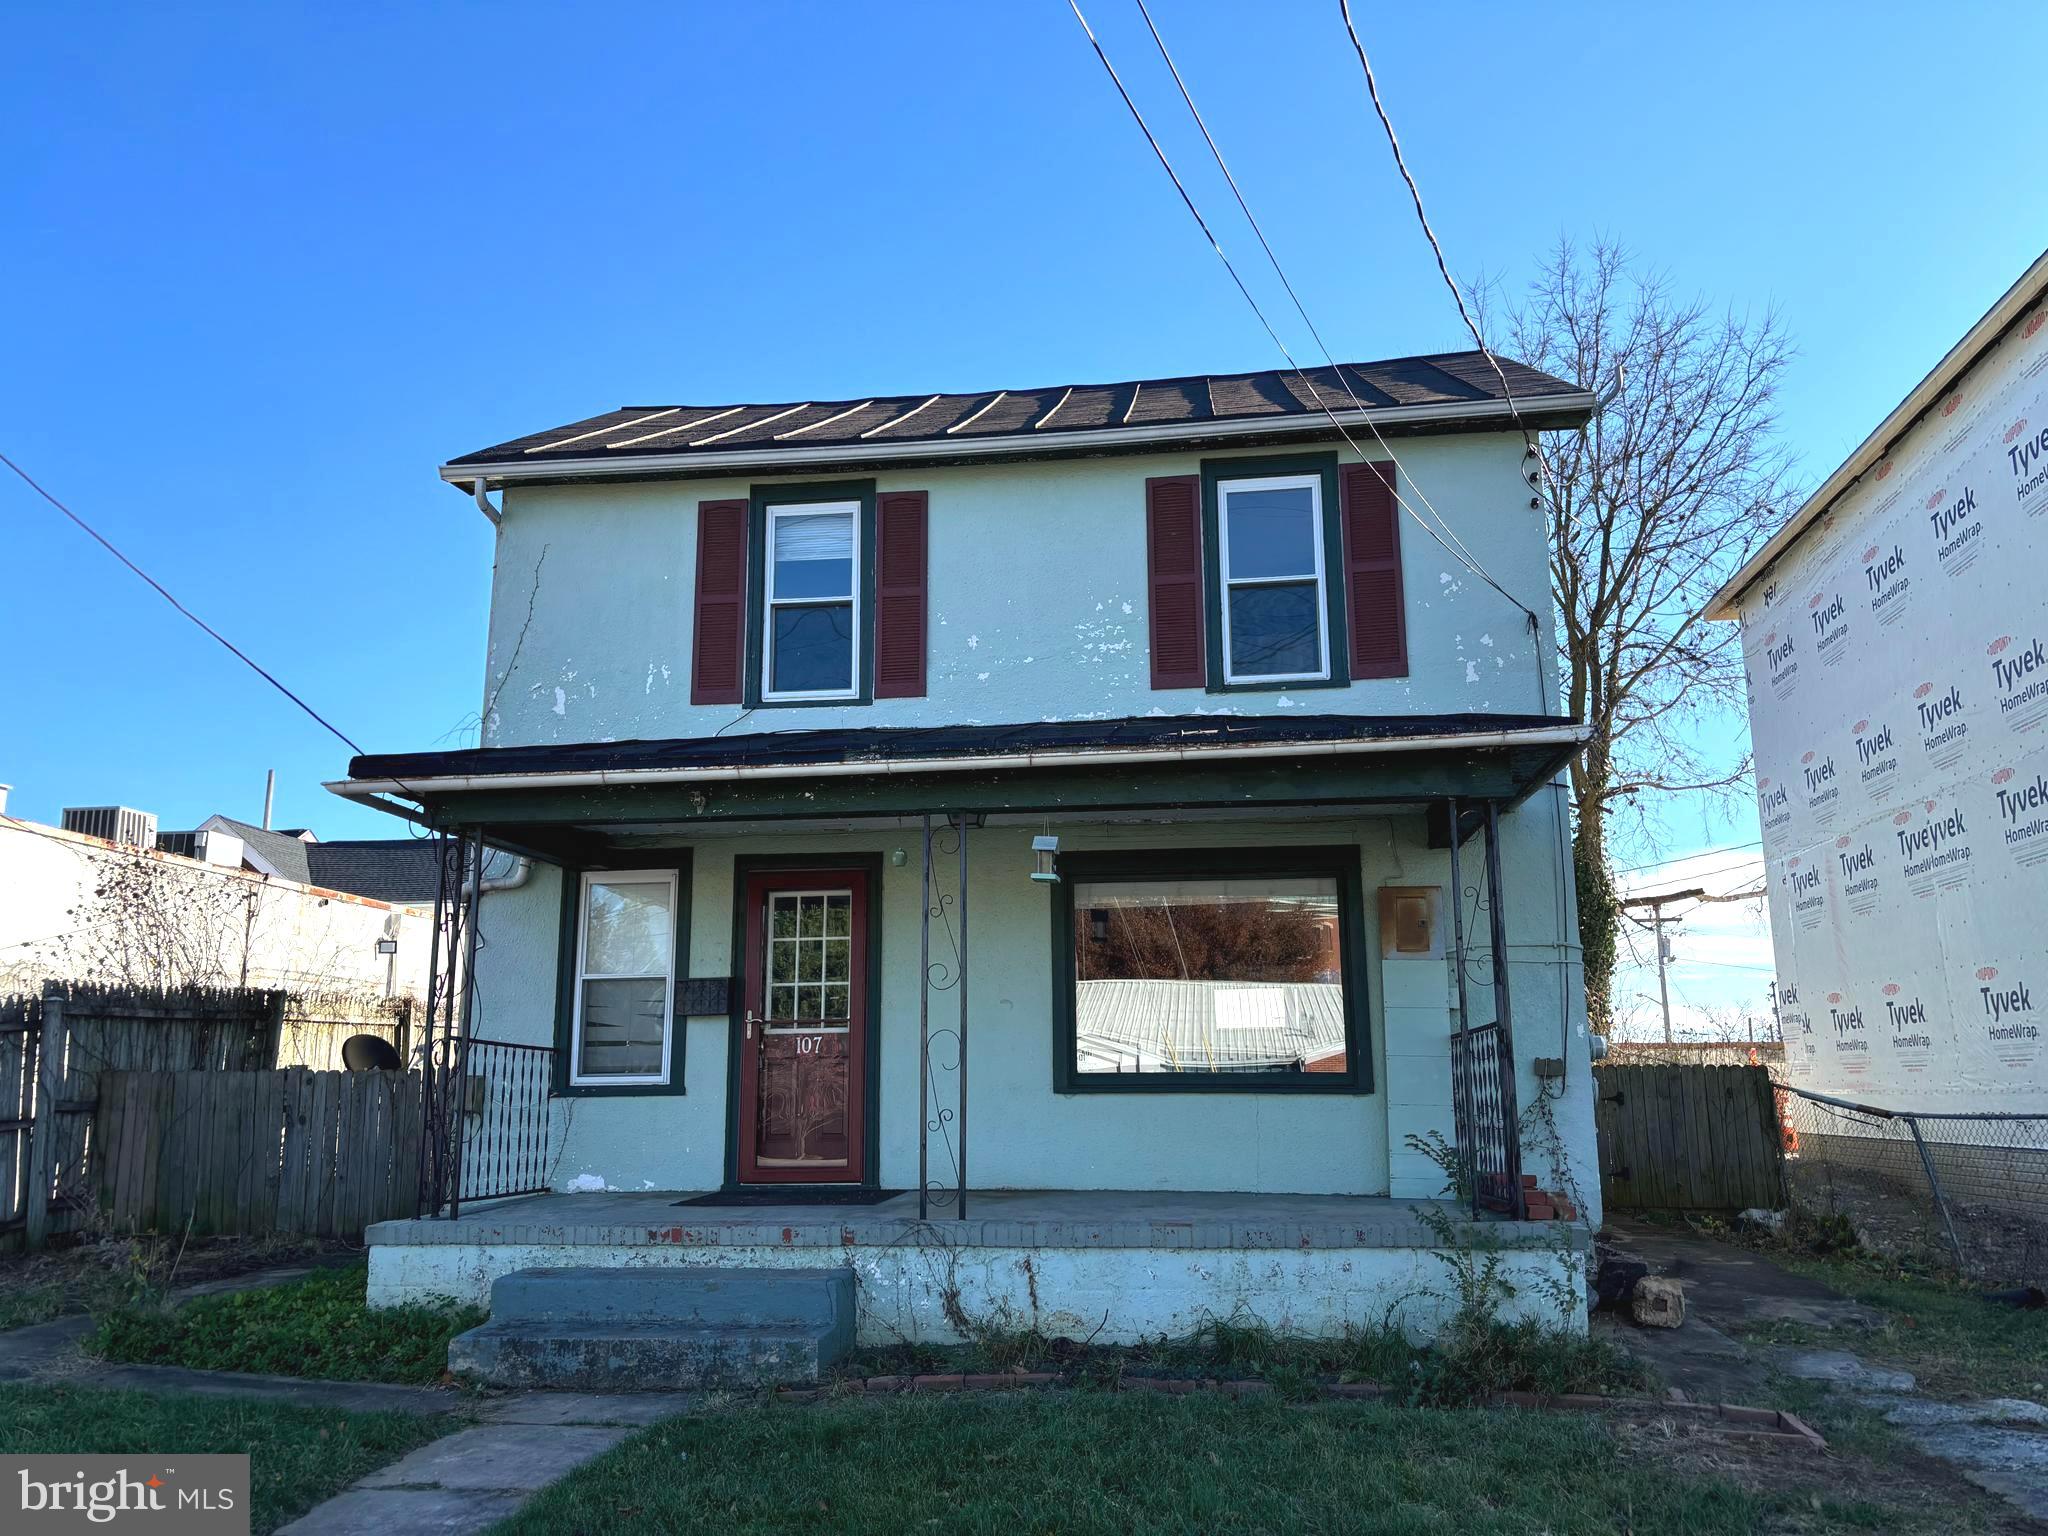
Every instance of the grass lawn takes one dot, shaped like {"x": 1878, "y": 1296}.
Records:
{"x": 297, "y": 1456}
{"x": 1007, "y": 1464}
{"x": 1956, "y": 1343}
{"x": 93, "y": 1276}
{"x": 1464, "y": 1364}
{"x": 318, "y": 1326}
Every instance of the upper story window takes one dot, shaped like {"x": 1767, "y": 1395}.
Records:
{"x": 1275, "y": 609}
{"x": 811, "y": 609}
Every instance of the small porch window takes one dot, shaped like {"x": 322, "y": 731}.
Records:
{"x": 1230, "y": 970}
{"x": 1275, "y": 605}
{"x": 809, "y": 645}
{"x": 624, "y": 1008}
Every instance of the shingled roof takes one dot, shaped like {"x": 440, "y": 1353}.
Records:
{"x": 1444, "y": 390}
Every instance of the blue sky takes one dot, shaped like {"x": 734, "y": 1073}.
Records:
{"x": 266, "y": 266}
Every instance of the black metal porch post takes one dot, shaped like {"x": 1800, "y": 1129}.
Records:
{"x": 1511, "y": 1120}
{"x": 464, "y": 1021}
{"x": 924, "y": 1031}
{"x": 960, "y": 1205}
{"x": 428, "y": 1202}
{"x": 1461, "y": 1042}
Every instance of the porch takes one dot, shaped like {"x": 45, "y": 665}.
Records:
{"x": 1248, "y": 1019}
{"x": 1117, "y": 1266}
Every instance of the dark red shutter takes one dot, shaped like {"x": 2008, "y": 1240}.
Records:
{"x": 900, "y": 538}
{"x": 1173, "y": 556}
{"x": 719, "y": 645}
{"x": 1372, "y": 572}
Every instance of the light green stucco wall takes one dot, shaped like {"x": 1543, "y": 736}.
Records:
{"x": 1024, "y": 1135}
{"x": 1037, "y": 612}
{"x": 1037, "y": 603}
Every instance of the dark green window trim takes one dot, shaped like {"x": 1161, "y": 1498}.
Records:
{"x": 677, "y": 859}
{"x": 1215, "y": 471}
{"x": 1341, "y": 861}
{"x": 762, "y": 497}
{"x": 746, "y": 864}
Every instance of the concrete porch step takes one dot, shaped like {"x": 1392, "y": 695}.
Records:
{"x": 653, "y": 1329}
{"x": 693, "y": 1293}
{"x": 643, "y": 1356}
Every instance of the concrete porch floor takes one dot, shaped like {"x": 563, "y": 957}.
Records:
{"x": 997, "y": 1218}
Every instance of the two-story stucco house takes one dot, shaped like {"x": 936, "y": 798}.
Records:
{"x": 1099, "y": 834}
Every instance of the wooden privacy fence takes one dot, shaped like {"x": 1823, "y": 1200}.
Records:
{"x": 318, "y": 1153}
{"x": 1688, "y": 1138}
{"x": 53, "y": 1049}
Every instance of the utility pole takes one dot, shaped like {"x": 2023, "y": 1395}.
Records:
{"x": 1656, "y": 904}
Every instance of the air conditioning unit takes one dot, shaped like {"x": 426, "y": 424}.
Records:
{"x": 115, "y": 823}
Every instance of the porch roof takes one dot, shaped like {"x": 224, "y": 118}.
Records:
{"x": 1141, "y": 761}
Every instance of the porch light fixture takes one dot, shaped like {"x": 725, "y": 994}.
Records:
{"x": 1045, "y": 850}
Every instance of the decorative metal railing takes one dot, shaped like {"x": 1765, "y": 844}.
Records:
{"x": 941, "y": 1047}
{"x": 492, "y": 1116}
{"x": 1482, "y": 1089}
{"x": 1483, "y": 1098}
{"x": 484, "y": 1127}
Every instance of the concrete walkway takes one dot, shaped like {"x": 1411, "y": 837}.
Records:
{"x": 470, "y": 1480}
{"x": 507, "y": 1450}
{"x": 2000, "y": 1444}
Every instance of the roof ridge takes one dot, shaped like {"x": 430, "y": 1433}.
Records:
{"x": 1046, "y": 389}
{"x": 1444, "y": 386}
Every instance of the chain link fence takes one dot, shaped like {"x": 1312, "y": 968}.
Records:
{"x": 1961, "y": 1191}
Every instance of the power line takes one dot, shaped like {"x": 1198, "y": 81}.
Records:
{"x": 1217, "y": 246}
{"x": 1280, "y": 272}
{"x": 164, "y": 592}
{"x": 1682, "y": 857}
{"x": 1401, "y": 163}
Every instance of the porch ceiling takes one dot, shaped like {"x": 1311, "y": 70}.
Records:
{"x": 1201, "y": 764}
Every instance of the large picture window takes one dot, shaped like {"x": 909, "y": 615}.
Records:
{"x": 623, "y": 1011}
{"x": 1224, "y": 970}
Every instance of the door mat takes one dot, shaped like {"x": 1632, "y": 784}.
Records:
{"x": 794, "y": 1194}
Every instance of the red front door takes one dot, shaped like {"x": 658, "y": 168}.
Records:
{"x": 803, "y": 1041}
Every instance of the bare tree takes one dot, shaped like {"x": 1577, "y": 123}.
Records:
{"x": 1676, "y": 481}
{"x": 145, "y": 921}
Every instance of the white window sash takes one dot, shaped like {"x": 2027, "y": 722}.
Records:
{"x": 851, "y": 509}
{"x": 1313, "y": 484}
{"x": 577, "y": 1077}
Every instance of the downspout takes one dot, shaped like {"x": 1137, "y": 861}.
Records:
{"x": 518, "y": 875}
{"x": 483, "y": 505}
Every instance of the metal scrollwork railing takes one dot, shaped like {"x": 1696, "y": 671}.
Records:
{"x": 942, "y": 1049}
{"x": 1483, "y": 1098}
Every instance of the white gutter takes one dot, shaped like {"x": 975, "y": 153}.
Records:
{"x": 769, "y": 459}
{"x": 1563, "y": 734}
{"x": 1873, "y": 450}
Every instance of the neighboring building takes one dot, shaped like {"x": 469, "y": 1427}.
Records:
{"x": 767, "y": 683}
{"x": 401, "y": 870}
{"x": 108, "y": 898}
{"x": 1894, "y": 635}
